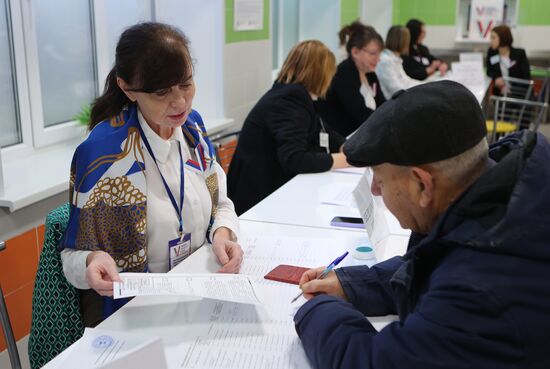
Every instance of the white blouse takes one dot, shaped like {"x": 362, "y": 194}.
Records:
{"x": 391, "y": 75}
{"x": 162, "y": 220}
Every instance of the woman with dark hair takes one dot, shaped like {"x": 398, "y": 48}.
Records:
{"x": 354, "y": 92}
{"x": 503, "y": 60}
{"x": 419, "y": 63}
{"x": 282, "y": 135}
{"x": 146, "y": 191}
{"x": 390, "y": 68}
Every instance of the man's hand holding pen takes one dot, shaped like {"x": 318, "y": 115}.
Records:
{"x": 311, "y": 285}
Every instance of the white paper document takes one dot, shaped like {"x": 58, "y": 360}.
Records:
{"x": 229, "y": 287}
{"x": 340, "y": 195}
{"x": 248, "y": 15}
{"x": 99, "y": 348}
{"x": 385, "y": 232}
{"x": 237, "y": 336}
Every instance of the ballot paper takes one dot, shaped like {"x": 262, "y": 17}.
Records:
{"x": 238, "y": 336}
{"x": 99, "y": 348}
{"x": 228, "y": 287}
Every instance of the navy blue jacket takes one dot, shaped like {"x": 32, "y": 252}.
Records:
{"x": 473, "y": 293}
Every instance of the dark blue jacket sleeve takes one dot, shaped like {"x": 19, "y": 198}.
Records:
{"x": 455, "y": 327}
{"x": 368, "y": 289}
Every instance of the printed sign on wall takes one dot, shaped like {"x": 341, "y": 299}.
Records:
{"x": 484, "y": 15}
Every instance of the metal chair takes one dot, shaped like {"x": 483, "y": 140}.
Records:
{"x": 510, "y": 114}
{"x": 225, "y": 145}
{"x": 6, "y": 326}
{"x": 519, "y": 88}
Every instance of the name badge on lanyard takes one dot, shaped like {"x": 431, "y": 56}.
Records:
{"x": 179, "y": 249}
{"x": 323, "y": 137}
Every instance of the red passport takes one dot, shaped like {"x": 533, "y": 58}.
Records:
{"x": 286, "y": 273}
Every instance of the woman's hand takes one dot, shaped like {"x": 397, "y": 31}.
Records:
{"x": 329, "y": 285}
{"x": 228, "y": 252}
{"x": 339, "y": 161}
{"x": 101, "y": 272}
{"x": 443, "y": 68}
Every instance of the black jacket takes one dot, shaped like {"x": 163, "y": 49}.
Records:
{"x": 417, "y": 61}
{"x": 518, "y": 60}
{"x": 279, "y": 139}
{"x": 344, "y": 107}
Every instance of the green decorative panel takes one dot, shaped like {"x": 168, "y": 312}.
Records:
{"x": 534, "y": 12}
{"x": 239, "y": 36}
{"x": 349, "y": 11}
{"x": 432, "y": 12}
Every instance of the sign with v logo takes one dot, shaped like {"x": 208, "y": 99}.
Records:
{"x": 485, "y": 14}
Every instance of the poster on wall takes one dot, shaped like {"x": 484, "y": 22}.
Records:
{"x": 484, "y": 15}
{"x": 248, "y": 15}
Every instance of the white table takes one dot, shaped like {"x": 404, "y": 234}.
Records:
{"x": 170, "y": 317}
{"x": 299, "y": 202}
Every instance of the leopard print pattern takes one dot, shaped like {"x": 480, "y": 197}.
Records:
{"x": 213, "y": 189}
{"x": 115, "y": 218}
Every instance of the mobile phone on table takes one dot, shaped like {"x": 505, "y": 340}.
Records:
{"x": 350, "y": 222}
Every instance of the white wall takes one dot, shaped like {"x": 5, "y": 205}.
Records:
{"x": 535, "y": 39}
{"x": 377, "y": 13}
{"x": 247, "y": 76}
{"x": 202, "y": 21}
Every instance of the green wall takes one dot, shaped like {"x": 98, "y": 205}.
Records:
{"x": 534, "y": 12}
{"x": 239, "y": 36}
{"x": 349, "y": 11}
{"x": 432, "y": 12}
{"x": 443, "y": 12}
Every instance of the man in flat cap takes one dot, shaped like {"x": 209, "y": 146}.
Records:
{"x": 473, "y": 289}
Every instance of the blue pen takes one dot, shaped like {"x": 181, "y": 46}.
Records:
{"x": 325, "y": 272}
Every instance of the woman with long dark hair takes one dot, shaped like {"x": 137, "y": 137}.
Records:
{"x": 146, "y": 191}
{"x": 419, "y": 63}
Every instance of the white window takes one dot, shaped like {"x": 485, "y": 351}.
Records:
{"x": 57, "y": 54}
{"x": 9, "y": 119}
{"x": 292, "y": 23}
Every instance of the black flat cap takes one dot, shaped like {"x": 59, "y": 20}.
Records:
{"x": 424, "y": 124}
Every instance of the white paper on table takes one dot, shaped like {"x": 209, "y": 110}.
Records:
{"x": 261, "y": 254}
{"x": 229, "y": 287}
{"x": 470, "y": 74}
{"x": 237, "y": 336}
{"x": 340, "y": 195}
{"x": 385, "y": 232}
{"x": 99, "y": 348}
{"x": 471, "y": 57}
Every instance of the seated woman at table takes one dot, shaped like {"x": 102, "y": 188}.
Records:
{"x": 283, "y": 136}
{"x": 503, "y": 60}
{"x": 146, "y": 191}
{"x": 354, "y": 92}
{"x": 390, "y": 70}
{"x": 420, "y": 63}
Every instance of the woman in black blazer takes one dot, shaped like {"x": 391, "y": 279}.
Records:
{"x": 283, "y": 136}
{"x": 420, "y": 63}
{"x": 504, "y": 60}
{"x": 354, "y": 92}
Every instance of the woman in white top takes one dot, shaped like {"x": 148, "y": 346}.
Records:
{"x": 390, "y": 70}
{"x": 146, "y": 191}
